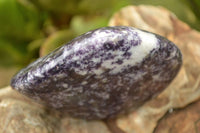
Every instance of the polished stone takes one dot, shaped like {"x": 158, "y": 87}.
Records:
{"x": 102, "y": 73}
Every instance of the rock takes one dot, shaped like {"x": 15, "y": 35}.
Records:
{"x": 101, "y": 73}
{"x": 185, "y": 120}
{"x": 20, "y": 115}
{"x": 185, "y": 87}
{"x": 72, "y": 125}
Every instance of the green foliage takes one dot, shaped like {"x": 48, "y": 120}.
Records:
{"x": 19, "y": 21}
{"x": 11, "y": 54}
{"x": 195, "y": 6}
{"x": 77, "y": 7}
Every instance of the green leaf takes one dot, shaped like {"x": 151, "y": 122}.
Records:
{"x": 11, "y": 53}
{"x": 19, "y": 22}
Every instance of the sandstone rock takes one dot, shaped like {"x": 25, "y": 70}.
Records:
{"x": 72, "y": 125}
{"x": 186, "y": 120}
{"x": 19, "y": 115}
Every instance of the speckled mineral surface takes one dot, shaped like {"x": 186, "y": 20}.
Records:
{"x": 102, "y": 73}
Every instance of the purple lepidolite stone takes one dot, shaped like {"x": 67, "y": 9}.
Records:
{"x": 102, "y": 73}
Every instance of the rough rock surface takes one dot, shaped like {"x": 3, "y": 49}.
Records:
{"x": 20, "y": 115}
{"x": 186, "y": 120}
{"x": 184, "y": 90}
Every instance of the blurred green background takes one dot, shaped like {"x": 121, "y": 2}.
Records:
{"x": 33, "y": 28}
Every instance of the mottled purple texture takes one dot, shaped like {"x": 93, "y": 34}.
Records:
{"x": 91, "y": 77}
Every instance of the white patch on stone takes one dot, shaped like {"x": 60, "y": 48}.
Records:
{"x": 38, "y": 73}
{"x": 91, "y": 101}
{"x": 80, "y": 103}
{"x": 61, "y": 75}
{"x": 78, "y": 89}
{"x": 20, "y": 87}
{"x": 30, "y": 76}
{"x": 106, "y": 96}
{"x": 119, "y": 82}
{"x": 98, "y": 71}
{"x": 128, "y": 88}
{"x": 138, "y": 76}
{"x": 65, "y": 85}
{"x": 84, "y": 83}
{"x": 139, "y": 52}
{"x": 81, "y": 72}
{"x": 95, "y": 85}
{"x": 104, "y": 80}
{"x": 103, "y": 95}
{"x": 55, "y": 79}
